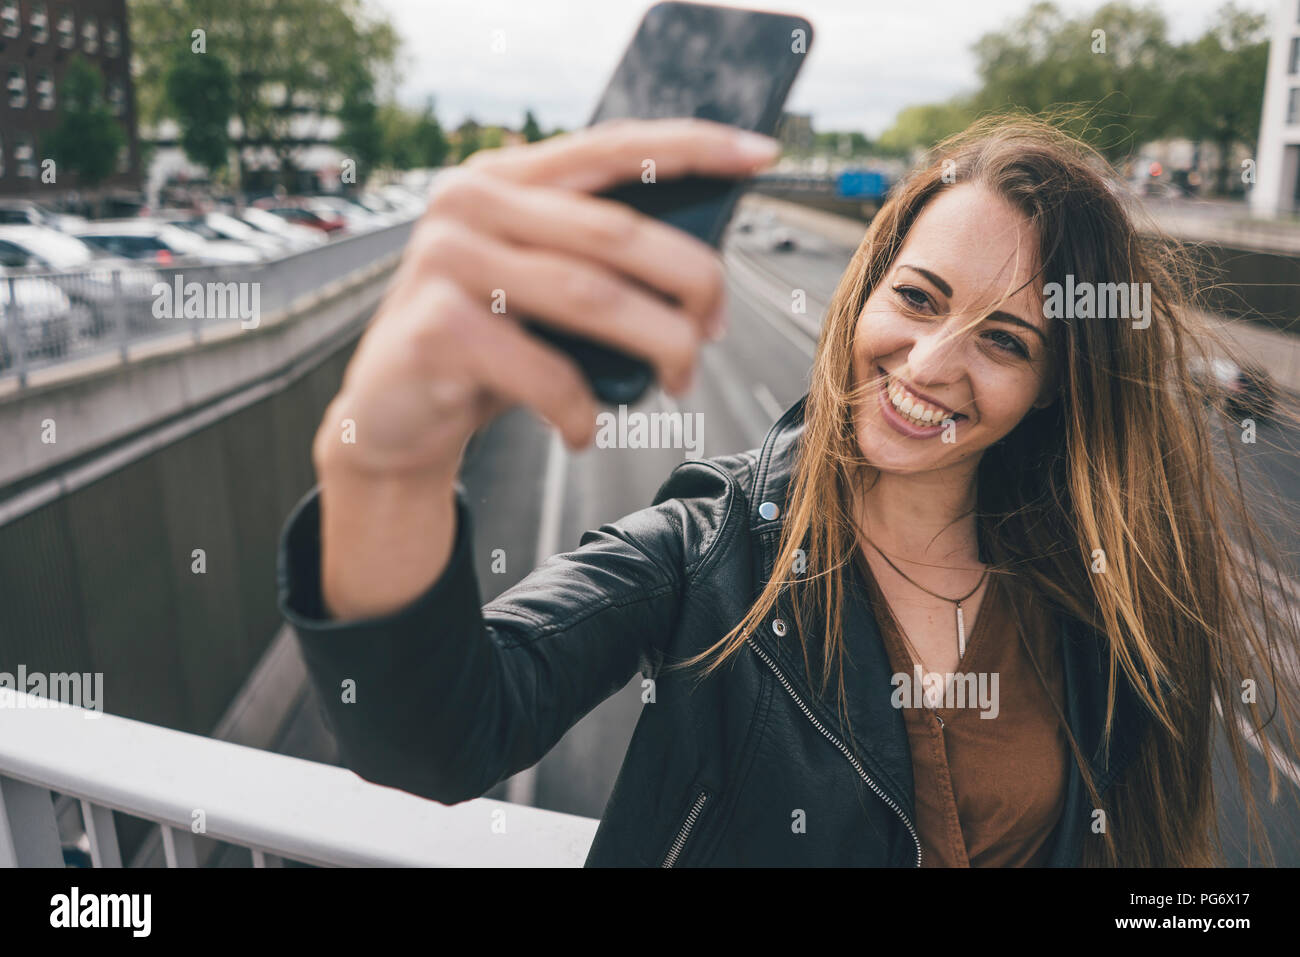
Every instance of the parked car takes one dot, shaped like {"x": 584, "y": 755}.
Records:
{"x": 296, "y": 211}
{"x": 357, "y": 218}
{"x": 1246, "y": 391}
{"x": 25, "y": 212}
{"x": 299, "y": 237}
{"x": 217, "y": 227}
{"x": 37, "y": 316}
{"x": 163, "y": 243}
{"x": 403, "y": 199}
{"x": 85, "y": 275}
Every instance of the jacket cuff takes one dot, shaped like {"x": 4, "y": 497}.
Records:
{"x": 450, "y": 601}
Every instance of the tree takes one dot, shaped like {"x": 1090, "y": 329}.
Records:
{"x": 920, "y": 127}
{"x": 362, "y": 135}
{"x": 467, "y": 139}
{"x": 1220, "y": 84}
{"x": 1104, "y": 75}
{"x": 532, "y": 132}
{"x": 291, "y": 61}
{"x": 430, "y": 143}
{"x": 87, "y": 138}
{"x": 200, "y": 92}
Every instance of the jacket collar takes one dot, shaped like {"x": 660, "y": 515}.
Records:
{"x": 879, "y": 736}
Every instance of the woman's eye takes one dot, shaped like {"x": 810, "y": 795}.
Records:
{"x": 1008, "y": 343}
{"x": 913, "y": 297}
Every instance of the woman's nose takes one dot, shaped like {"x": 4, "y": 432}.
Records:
{"x": 936, "y": 357}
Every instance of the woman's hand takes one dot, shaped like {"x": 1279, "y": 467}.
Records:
{"x": 511, "y": 233}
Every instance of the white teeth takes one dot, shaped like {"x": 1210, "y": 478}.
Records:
{"x": 913, "y": 408}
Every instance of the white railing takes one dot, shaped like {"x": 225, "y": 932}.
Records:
{"x": 278, "y": 807}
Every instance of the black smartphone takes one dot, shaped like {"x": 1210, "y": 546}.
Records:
{"x": 724, "y": 64}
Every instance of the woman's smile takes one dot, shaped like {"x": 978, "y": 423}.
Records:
{"x": 909, "y": 413}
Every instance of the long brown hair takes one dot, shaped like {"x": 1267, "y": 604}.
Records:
{"x": 1123, "y": 460}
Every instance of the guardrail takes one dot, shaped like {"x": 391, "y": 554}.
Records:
{"x": 48, "y": 318}
{"x": 278, "y": 807}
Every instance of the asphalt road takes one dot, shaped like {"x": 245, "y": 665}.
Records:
{"x": 530, "y": 498}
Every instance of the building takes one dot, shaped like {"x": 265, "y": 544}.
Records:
{"x": 38, "y": 39}
{"x": 1277, "y": 167}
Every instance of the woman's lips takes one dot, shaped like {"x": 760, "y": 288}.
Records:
{"x": 904, "y": 424}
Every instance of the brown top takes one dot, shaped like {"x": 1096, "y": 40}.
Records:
{"x": 989, "y": 790}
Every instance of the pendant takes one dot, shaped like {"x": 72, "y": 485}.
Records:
{"x": 961, "y": 633}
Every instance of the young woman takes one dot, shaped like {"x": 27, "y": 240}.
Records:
{"x": 996, "y": 525}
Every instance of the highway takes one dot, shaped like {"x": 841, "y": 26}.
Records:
{"x": 530, "y": 498}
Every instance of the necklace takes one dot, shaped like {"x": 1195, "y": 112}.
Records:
{"x": 961, "y": 621}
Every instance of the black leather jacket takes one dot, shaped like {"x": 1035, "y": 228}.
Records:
{"x": 452, "y": 697}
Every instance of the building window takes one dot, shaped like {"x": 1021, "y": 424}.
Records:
{"x": 11, "y": 21}
{"x": 17, "y": 87}
{"x": 40, "y": 21}
{"x": 67, "y": 30}
{"x": 1294, "y": 59}
{"x": 113, "y": 38}
{"x": 25, "y": 156}
{"x": 116, "y": 97}
{"x": 44, "y": 90}
{"x": 2, "y": 157}
{"x": 90, "y": 35}
{"x": 1293, "y": 106}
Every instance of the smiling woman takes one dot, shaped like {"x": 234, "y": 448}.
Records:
{"x": 1021, "y": 500}
{"x": 964, "y": 427}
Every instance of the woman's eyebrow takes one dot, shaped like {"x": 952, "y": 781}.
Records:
{"x": 1000, "y": 315}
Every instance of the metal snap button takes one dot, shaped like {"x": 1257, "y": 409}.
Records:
{"x": 769, "y": 510}
{"x": 778, "y": 626}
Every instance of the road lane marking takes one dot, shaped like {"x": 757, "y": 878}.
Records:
{"x": 764, "y": 310}
{"x": 723, "y": 375}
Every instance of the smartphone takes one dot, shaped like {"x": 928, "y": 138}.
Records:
{"x": 724, "y": 64}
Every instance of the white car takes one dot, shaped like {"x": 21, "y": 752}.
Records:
{"x": 162, "y": 243}
{"x": 300, "y": 237}
{"x": 87, "y": 278}
{"x": 356, "y": 217}
{"x": 46, "y": 315}
{"x": 23, "y": 212}
{"x": 403, "y": 199}
{"x": 217, "y": 227}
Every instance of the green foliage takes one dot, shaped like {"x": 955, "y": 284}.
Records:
{"x": 920, "y": 127}
{"x": 200, "y": 90}
{"x": 1218, "y": 84}
{"x": 532, "y": 132}
{"x": 285, "y": 58}
{"x": 1111, "y": 77}
{"x": 87, "y": 137}
{"x": 467, "y": 139}
{"x": 411, "y": 140}
{"x": 362, "y": 135}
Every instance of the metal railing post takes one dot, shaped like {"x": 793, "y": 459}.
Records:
{"x": 29, "y": 833}
{"x": 123, "y": 318}
{"x": 102, "y": 833}
{"x": 19, "y": 330}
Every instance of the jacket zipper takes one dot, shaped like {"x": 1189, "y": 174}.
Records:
{"x": 857, "y": 765}
{"x": 679, "y": 843}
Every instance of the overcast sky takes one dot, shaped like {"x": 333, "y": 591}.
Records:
{"x": 869, "y": 58}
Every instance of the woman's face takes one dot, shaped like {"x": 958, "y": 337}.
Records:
{"x": 943, "y": 399}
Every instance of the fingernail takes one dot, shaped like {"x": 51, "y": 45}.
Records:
{"x": 757, "y": 148}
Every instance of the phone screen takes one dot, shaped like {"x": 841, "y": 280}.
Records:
{"x": 723, "y": 64}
